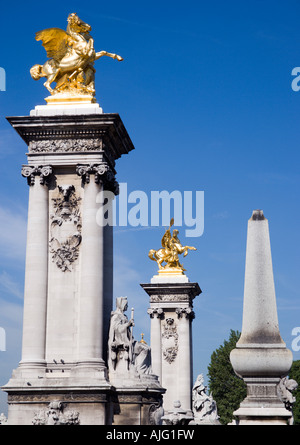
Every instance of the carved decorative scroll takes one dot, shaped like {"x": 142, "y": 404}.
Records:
{"x": 30, "y": 173}
{"x": 102, "y": 173}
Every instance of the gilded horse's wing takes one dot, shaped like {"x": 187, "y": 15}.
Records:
{"x": 55, "y": 41}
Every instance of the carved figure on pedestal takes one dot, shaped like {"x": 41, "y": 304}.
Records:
{"x": 170, "y": 251}
{"x": 125, "y": 353}
{"x": 204, "y": 406}
{"x": 285, "y": 389}
{"x": 3, "y": 419}
{"x": 169, "y": 340}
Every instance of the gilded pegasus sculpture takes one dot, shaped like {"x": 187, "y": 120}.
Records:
{"x": 71, "y": 60}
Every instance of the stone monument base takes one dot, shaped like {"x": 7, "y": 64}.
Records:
{"x": 262, "y": 405}
{"x": 63, "y": 109}
{"x": 136, "y": 406}
{"x": 45, "y": 397}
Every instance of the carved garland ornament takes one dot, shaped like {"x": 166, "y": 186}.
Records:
{"x": 64, "y": 145}
{"x": 65, "y": 251}
{"x": 169, "y": 340}
{"x": 170, "y": 297}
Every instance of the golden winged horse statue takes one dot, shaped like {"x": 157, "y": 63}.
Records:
{"x": 71, "y": 60}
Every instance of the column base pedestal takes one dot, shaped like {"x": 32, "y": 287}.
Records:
{"x": 262, "y": 416}
{"x": 76, "y": 398}
{"x": 137, "y": 406}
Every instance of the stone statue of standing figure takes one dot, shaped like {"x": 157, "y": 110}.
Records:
{"x": 125, "y": 353}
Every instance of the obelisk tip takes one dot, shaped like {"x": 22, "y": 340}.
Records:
{"x": 257, "y": 215}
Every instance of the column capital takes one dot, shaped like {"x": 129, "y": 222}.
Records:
{"x": 159, "y": 312}
{"x": 29, "y": 172}
{"x": 103, "y": 173}
{"x": 188, "y": 312}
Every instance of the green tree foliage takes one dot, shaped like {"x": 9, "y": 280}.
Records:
{"x": 227, "y": 389}
{"x": 295, "y": 375}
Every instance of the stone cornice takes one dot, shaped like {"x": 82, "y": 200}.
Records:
{"x": 168, "y": 292}
{"x": 107, "y": 128}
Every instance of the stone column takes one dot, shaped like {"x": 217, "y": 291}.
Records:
{"x": 36, "y": 276}
{"x": 261, "y": 357}
{"x": 78, "y": 299}
{"x": 171, "y": 336}
{"x": 156, "y": 314}
{"x": 185, "y": 355}
{"x": 90, "y": 338}
{"x": 112, "y": 185}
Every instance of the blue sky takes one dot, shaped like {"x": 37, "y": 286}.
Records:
{"x": 205, "y": 94}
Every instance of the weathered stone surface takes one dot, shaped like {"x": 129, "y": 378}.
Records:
{"x": 171, "y": 314}
{"x": 260, "y": 357}
{"x": 69, "y": 266}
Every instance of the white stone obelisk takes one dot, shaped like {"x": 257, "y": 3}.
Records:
{"x": 261, "y": 357}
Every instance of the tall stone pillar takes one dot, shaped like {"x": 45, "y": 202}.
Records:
{"x": 90, "y": 338}
{"x": 36, "y": 276}
{"x": 155, "y": 340}
{"x": 261, "y": 357}
{"x": 171, "y": 312}
{"x": 185, "y": 354}
{"x": 68, "y": 285}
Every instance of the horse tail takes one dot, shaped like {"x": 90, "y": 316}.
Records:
{"x": 36, "y": 72}
{"x": 151, "y": 254}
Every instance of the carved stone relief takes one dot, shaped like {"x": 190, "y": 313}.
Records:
{"x": 171, "y": 297}
{"x": 65, "y": 228}
{"x": 64, "y": 145}
{"x": 169, "y": 340}
{"x": 56, "y": 415}
{"x": 156, "y": 411}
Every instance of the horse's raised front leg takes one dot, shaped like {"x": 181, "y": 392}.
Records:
{"x": 105, "y": 53}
